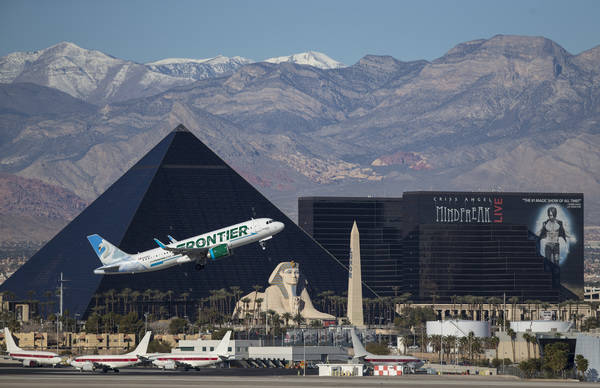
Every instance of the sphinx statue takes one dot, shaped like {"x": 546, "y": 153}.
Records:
{"x": 286, "y": 294}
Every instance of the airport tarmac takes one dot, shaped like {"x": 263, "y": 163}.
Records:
{"x": 242, "y": 378}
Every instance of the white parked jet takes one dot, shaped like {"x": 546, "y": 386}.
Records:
{"x": 29, "y": 357}
{"x": 193, "y": 360}
{"x": 361, "y": 354}
{"x": 213, "y": 245}
{"x": 114, "y": 362}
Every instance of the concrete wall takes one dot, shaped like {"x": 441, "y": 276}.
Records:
{"x": 589, "y": 347}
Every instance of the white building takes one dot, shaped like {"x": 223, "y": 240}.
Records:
{"x": 540, "y": 326}
{"x": 458, "y": 328}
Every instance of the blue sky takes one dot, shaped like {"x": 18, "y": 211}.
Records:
{"x": 347, "y": 30}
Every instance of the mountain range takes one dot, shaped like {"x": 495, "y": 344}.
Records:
{"x": 509, "y": 113}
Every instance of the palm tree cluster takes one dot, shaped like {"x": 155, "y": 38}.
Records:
{"x": 468, "y": 348}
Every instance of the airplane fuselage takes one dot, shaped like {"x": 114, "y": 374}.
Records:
{"x": 32, "y": 358}
{"x": 93, "y": 362}
{"x": 192, "y": 360}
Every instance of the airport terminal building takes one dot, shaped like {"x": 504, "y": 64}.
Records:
{"x": 435, "y": 245}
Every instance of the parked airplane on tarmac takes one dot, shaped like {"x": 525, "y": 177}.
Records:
{"x": 361, "y": 354}
{"x": 114, "y": 362}
{"x": 29, "y": 357}
{"x": 193, "y": 360}
{"x": 213, "y": 245}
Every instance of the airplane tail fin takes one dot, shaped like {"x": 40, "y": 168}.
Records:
{"x": 221, "y": 349}
{"x": 359, "y": 349}
{"x": 11, "y": 346}
{"x": 142, "y": 347}
{"x": 107, "y": 253}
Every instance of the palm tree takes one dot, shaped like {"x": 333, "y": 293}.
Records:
{"x": 513, "y": 301}
{"x": 494, "y": 303}
{"x": 258, "y": 302}
{"x": 527, "y": 338}
{"x": 184, "y": 296}
{"x": 169, "y": 294}
{"x": 236, "y": 292}
{"x": 286, "y": 317}
{"x": 299, "y": 319}
{"x": 495, "y": 341}
{"x": 436, "y": 343}
{"x": 511, "y": 333}
{"x": 146, "y": 295}
{"x": 125, "y": 294}
{"x": 135, "y": 295}
{"x": 256, "y": 290}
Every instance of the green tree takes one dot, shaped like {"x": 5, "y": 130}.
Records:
{"x": 556, "y": 357}
{"x": 177, "y": 325}
{"x": 529, "y": 367}
{"x": 378, "y": 348}
{"x": 156, "y": 346}
{"x": 130, "y": 323}
{"x": 582, "y": 365}
{"x": 92, "y": 325}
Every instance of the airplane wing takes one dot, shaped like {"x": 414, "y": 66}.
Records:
{"x": 195, "y": 254}
{"x": 110, "y": 268}
{"x": 183, "y": 364}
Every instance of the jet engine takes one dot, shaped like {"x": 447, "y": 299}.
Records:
{"x": 218, "y": 251}
{"x": 28, "y": 363}
{"x": 88, "y": 367}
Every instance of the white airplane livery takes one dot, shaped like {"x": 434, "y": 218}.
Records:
{"x": 29, "y": 357}
{"x": 361, "y": 354}
{"x": 193, "y": 360}
{"x": 213, "y": 245}
{"x": 114, "y": 362}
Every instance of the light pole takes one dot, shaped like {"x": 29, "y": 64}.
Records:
{"x": 146, "y": 321}
{"x": 304, "y": 353}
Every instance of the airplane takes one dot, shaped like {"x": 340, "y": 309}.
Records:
{"x": 361, "y": 354}
{"x": 114, "y": 362}
{"x": 29, "y": 357}
{"x": 213, "y": 245}
{"x": 193, "y": 360}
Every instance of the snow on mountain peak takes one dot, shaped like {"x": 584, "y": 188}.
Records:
{"x": 311, "y": 58}
{"x": 219, "y": 59}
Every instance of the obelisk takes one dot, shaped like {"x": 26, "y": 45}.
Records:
{"x": 355, "y": 303}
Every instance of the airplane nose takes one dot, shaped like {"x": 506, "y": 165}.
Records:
{"x": 278, "y": 226}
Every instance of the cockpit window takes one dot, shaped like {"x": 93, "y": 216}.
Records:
{"x": 269, "y": 221}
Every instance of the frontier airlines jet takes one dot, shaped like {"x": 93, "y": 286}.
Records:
{"x": 213, "y": 245}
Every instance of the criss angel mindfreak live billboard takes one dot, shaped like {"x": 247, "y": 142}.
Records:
{"x": 554, "y": 220}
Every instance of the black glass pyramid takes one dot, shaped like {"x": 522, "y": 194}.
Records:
{"x": 180, "y": 188}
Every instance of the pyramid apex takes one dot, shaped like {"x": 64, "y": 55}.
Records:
{"x": 181, "y": 128}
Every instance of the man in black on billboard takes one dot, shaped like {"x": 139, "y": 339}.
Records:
{"x": 552, "y": 231}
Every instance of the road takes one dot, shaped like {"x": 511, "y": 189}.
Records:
{"x": 242, "y": 378}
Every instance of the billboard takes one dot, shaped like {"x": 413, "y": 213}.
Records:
{"x": 554, "y": 220}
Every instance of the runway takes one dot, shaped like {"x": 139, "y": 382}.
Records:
{"x": 242, "y": 378}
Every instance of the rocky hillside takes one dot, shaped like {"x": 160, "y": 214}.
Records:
{"x": 32, "y": 211}
{"x": 508, "y": 113}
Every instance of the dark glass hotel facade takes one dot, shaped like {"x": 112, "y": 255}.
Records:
{"x": 438, "y": 244}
